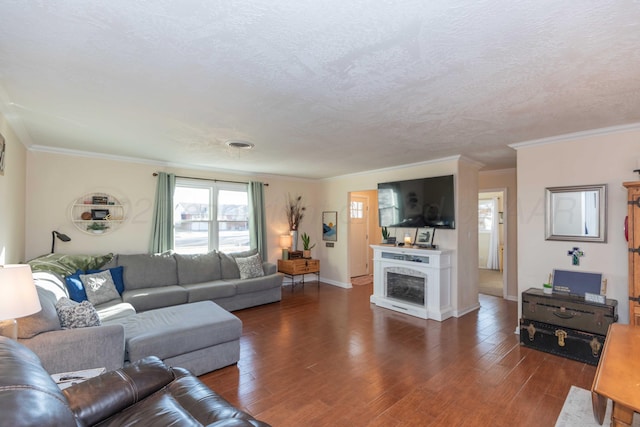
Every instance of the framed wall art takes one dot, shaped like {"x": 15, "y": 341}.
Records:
{"x": 2, "y": 154}
{"x": 330, "y": 226}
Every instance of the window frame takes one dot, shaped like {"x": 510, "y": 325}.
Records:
{"x": 213, "y": 224}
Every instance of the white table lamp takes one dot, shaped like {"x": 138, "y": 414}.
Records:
{"x": 285, "y": 244}
{"x": 18, "y": 297}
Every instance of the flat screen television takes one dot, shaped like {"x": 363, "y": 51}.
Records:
{"x": 424, "y": 202}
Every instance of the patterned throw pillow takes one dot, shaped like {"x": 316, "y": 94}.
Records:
{"x": 76, "y": 315}
{"x": 117, "y": 274}
{"x": 250, "y": 267}
{"x": 99, "y": 287}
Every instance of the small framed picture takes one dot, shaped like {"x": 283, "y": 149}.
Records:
{"x": 424, "y": 237}
{"x": 330, "y": 226}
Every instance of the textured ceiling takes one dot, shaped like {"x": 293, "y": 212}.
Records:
{"x": 323, "y": 88}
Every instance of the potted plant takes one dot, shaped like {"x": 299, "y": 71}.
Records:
{"x": 385, "y": 234}
{"x": 97, "y": 227}
{"x": 306, "y": 245}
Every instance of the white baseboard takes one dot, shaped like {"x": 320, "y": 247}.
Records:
{"x": 460, "y": 313}
{"x": 336, "y": 283}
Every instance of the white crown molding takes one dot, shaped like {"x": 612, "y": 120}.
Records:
{"x": 102, "y": 156}
{"x": 472, "y": 162}
{"x": 499, "y": 171}
{"x": 398, "y": 167}
{"x": 93, "y": 155}
{"x": 576, "y": 135}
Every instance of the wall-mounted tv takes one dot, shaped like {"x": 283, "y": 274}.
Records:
{"x": 424, "y": 202}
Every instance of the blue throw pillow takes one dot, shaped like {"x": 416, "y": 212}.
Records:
{"x": 75, "y": 287}
{"x": 116, "y": 274}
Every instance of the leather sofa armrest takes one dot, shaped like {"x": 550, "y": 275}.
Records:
{"x": 207, "y": 406}
{"x": 105, "y": 395}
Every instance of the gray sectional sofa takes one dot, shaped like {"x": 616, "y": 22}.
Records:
{"x": 171, "y": 305}
{"x": 160, "y": 280}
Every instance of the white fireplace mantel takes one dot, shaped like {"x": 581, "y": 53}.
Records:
{"x": 434, "y": 266}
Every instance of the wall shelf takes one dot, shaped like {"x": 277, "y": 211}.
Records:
{"x": 101, "y": 209}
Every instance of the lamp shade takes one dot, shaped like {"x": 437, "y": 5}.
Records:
{"x": 19, "y": 296}
{"x": 285, "y": 241}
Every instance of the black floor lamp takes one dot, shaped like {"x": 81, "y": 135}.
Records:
{"x": 60, "y": 236}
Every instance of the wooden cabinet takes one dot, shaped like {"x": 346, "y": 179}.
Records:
{"x": 617, "y": 376}
{"x": 633, "y": 233}
{"x": 299, "y": 267}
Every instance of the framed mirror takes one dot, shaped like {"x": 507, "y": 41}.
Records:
{"x": 577, "y": 213}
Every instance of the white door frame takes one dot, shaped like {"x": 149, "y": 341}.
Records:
{"x": 505, "y": 228}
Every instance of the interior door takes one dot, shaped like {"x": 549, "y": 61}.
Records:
{"x": 358, "y": 235}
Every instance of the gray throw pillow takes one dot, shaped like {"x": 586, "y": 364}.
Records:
{"x": 198, "y": 268}
{"x": 99, "y": 287}
{"x": 76, "y": 315}
{"x": 250, "y": 267}
{"x": 228, "y": 266}
{"x": 148, "y": 270}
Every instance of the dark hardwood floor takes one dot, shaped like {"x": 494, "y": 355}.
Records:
{"x": 327, "y": 357}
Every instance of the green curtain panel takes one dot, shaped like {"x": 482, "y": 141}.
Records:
{"x": 257, "y": 221}
{"x": 162, "y": 233}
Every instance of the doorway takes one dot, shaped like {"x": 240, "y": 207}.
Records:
{"x": 362, "y": 226}
{"x": 491, "y": 242}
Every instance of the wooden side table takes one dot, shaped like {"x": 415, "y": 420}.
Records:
{"x": 299, "y": 267}
{"x": 618, "y": 376}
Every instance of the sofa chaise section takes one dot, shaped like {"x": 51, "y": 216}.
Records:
{"x": 200, "y": 337}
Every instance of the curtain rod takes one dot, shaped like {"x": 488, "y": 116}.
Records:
{"x": 209, "y": 179}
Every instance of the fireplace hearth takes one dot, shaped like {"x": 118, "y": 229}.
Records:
{"x": 413, "y": 281}
{"x": 406, "y": 287}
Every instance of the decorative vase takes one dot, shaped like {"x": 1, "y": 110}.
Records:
{"x": 294, "y": 240}
{"x": 306, "y": 253}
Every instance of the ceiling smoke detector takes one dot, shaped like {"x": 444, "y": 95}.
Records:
{"x": 239, "y": 144}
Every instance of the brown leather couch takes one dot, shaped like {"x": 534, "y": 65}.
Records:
{"x": 145, "y": 393}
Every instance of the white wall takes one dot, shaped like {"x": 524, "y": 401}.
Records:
{"x": 604, "y": 158}
{"x": 12, "y": 198}
{"x": 465, "y": 260}
{"x": 56, "y": 180}
{"x": 463, "y": 240}
{"x": 53, "y": 181}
